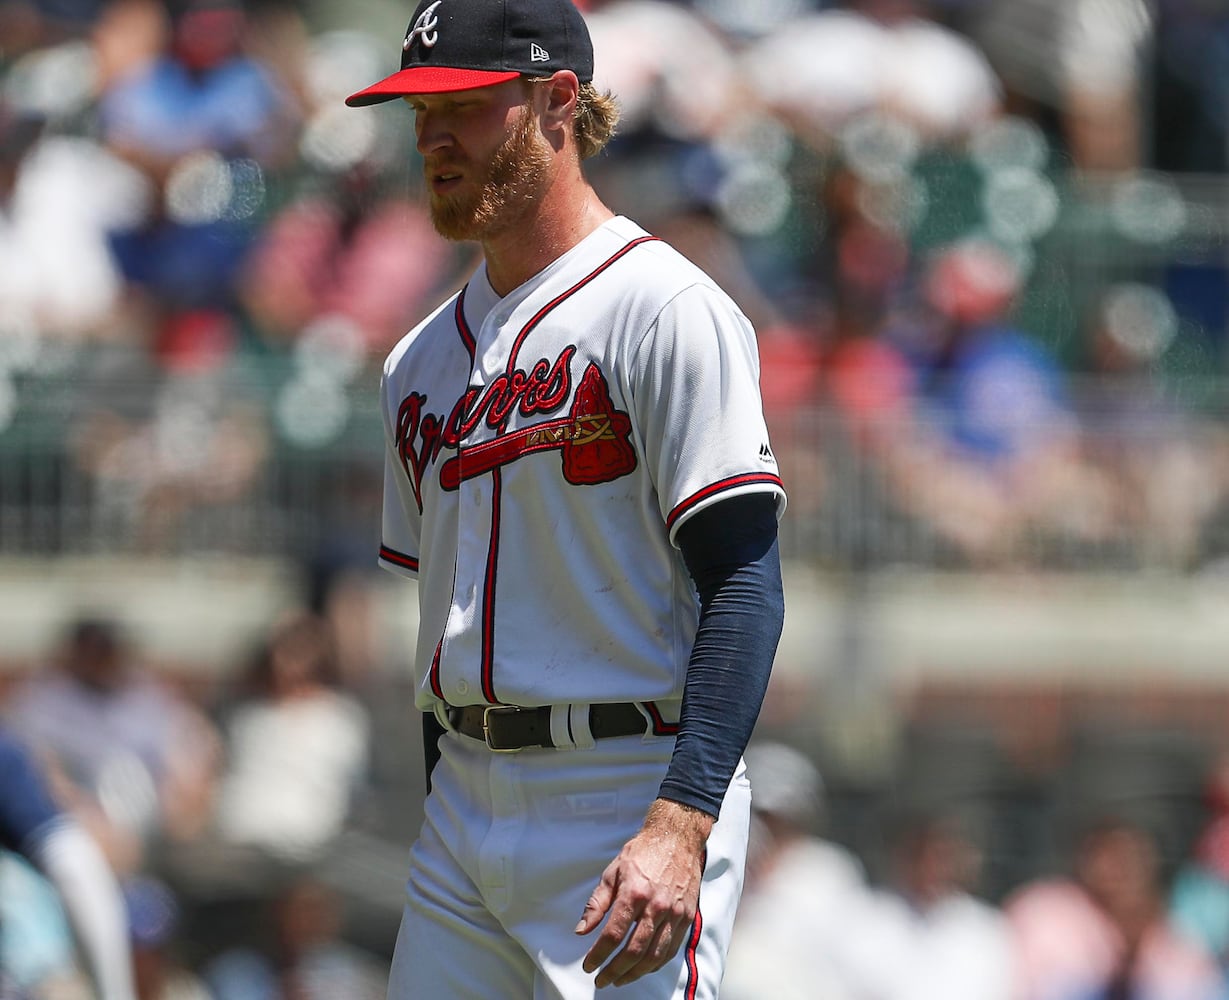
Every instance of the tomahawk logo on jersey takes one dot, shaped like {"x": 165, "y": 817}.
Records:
{"x": 569, "y": 406}
{"x": 593, "y": 436}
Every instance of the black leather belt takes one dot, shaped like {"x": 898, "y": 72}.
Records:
{"x": 508, "y": 728}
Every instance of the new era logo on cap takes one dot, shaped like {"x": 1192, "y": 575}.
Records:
{"x": 455, "y": 45}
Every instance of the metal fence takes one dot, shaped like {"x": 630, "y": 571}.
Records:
{"x": 1126, "y": 480}
{"x": 263, "y": 460}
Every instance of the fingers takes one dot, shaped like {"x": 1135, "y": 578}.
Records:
{"x": 648, "y": 948}
{"x": 622, "y": 918}
{"x": 650, "y": 935}
{"x": 598, "y": 903}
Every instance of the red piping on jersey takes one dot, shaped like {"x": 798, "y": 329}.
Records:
{"x": 463, "y": 330}
{"x": 398, "y": 558}
{"x": 469, "y": 343}
{"x": 437, "y": 687}
{"x": 721, "y": 487}
{"x": 660, "y": 726}
{"x": 541, "y": 313}
{"x": 488, "y": 594}
{"x": 488, "y": 597}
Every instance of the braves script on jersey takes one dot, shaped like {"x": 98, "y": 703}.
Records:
{"x": 541, "y": 450}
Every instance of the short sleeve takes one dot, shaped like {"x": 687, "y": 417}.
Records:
{"x": 697, "y": 400}
{"x": 401, "y": 522}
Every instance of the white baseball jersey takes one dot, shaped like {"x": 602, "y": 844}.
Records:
{"x": 543, "y": 450}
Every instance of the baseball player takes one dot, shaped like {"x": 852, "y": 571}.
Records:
{"x": 34, "y": 826}
{"x": 579, "y": 476}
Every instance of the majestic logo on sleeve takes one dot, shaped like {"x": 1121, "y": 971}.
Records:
{"x": 594, "y": 439}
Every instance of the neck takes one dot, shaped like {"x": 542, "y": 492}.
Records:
{"x": 568, "y": 211}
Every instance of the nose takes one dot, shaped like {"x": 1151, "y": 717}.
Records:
{"x": 430, "y": 132}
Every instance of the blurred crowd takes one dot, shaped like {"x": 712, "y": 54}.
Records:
{"x": 970, "y": 236}
{"x": 1116, "y": 920}
{"x": 216, "y": 810}
{"x": 228, "y": 814}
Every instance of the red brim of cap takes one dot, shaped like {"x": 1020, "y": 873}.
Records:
{"x": 428, "y": 80}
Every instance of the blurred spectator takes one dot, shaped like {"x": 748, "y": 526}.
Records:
{"x": 340, "y": 582}
{"x": 23, "y": 26}
{"x": 37, "y": 956}
{"x": 822, "y": 71}
{"x": 927, "y": 936}
{"x": 1199, "y": 901}
{"x": 181, "y": 100}
{"x": 992, "y": 449}
{"x": 347, "y": 259}
{"x": 343, "y": 258}
{"x": 191, "y": 447}
{"x": 1190, "y": 96}
{"x": 134, "y": 760}
{"x": 297, "y": 746}
{"x": 177, "y": 82}
{"x": 998, "y": 392}
{"x": 308, "y": 958}
{"x": 1156, "y": 458}
{"x": 672, "y": 72}
{"x": 58, "y": 197}
{"x": 33, "y": 825}
{"x": 866, "y": 266}
{"x": 153, "y": 917}
{"x": 1104, "y": 932}
{"x": 1077, "y": 66}
{"x": 799, "y": 914}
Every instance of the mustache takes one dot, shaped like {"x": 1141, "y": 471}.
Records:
{"x": 444, "y": 166}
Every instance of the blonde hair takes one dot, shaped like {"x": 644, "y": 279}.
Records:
{"x": 595, "y": 120}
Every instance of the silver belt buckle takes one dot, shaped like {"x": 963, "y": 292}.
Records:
{"x": 486, "y": 727}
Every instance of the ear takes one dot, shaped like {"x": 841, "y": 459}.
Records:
{"x": 558, "y": 97}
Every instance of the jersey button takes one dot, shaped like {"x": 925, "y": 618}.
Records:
{"x": 462, "y": 687}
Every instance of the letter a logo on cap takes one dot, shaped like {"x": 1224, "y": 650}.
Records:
{"x": 424, "y": 27}
{"x": 537, "y": 53}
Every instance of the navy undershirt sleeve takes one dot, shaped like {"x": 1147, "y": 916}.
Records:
{"x": 731, "y": 553}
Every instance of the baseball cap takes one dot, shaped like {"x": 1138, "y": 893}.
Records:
{"x": 455, "y": 45}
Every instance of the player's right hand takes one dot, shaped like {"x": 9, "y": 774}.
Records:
{"x": 648, "y": 894}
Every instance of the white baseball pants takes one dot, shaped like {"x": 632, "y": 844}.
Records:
{"x": 510, "y": 851}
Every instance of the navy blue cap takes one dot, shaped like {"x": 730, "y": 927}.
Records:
{"x": 455, "y": 45}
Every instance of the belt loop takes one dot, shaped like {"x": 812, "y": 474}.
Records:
{"x": 650, "y": 727}
{"x": 441, "y": 710}
{"x": 560, "y": 727}
{"x": 580, "y": 733}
